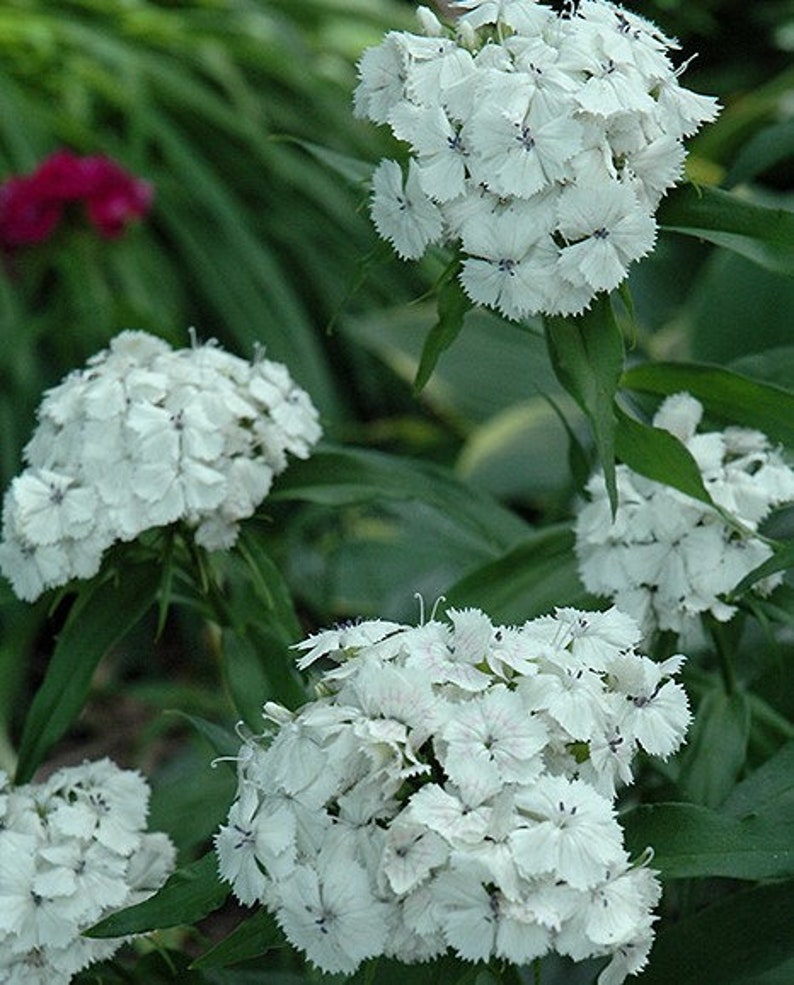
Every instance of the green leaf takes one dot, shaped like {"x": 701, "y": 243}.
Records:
{"x": 579, "y": 462}
{"x": 761, "y": 234}
{"x": 221, "y": 740}
{"x": 528, "y": 581}
{"x": 729, "y": 943}
{"x": 345, "y": 476}
{"x": 716, "y": 749}
{"x": 658, "y": 455}
{"x": 767, "y": 790}
{"x": 187, "y": 896}
{"x": 453, "y": 303}
{"x": 254, "y": 936}
{"x": 763, "y": 150}
{"x": 781, "y": 560}
{"x": 259, "y": 667}
{"x": 724, "y": 393}
{"x": 587, "y": 355}
{"x": 267, "y": 582}
{"x": 352, "y": 169}
{"x": 690, "y": 841}
{"x": 775, "y": 365}
{"x": 102, "y": 614}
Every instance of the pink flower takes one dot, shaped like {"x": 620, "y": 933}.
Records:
{"x": 26, "y": 217}
{"x": 114, "y": 197}
{"x": 31, "y": 206}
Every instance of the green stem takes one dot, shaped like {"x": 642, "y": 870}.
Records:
{"x": 536, "y": 969}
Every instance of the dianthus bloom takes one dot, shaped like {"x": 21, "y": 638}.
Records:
{"x": 72, "y": 849}
{"x": 453, "y": 788}
{"x": 540, "y": 144}
{"x": 143, "y": 437}
{"x": 31, "y": 206}
{"x": 667, "y": 558}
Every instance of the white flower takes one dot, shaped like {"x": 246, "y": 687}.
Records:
{"x": 568, "y": 829}
{"x": 50, "y": 507}
{"x": 333, "y": 642}
{"x": 441, "y": 153}
{"x": 606, "y": 230}
{"x": 654, "y": 711}
{"x": 412, "y": 851}
{"x": 667, "y": 558}
{"x": 515, "y": 155}
{"x": 402, "y": 212}
{"x": 496, "y": 742}
{"x": 453, "y": 788}
{"x": 509, "y": 266}
{"x": 330, "y": 913}
{"x": 72, "y": 849}
{"x": 517, "y": 104}
{"x": 143, "y": 437}
{"x": 382, "y": 71}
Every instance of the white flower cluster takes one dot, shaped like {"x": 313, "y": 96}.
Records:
{"x": 453, "y": 787}
{"x": 666, "y": 558}
{"x": 142, "y": 437}
{"x": 72, "y": 849}
{"x": 541, "y": 143}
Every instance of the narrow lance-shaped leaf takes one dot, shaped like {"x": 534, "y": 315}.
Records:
{"x": 335, "y": 476}
{"x": 716, "y": 749}
{"x": 764, "y": 235}
{"x": 727, "y": 394}
{"x": 781, "y": 560}
{"x": 763, "y": 150}
{"x": 578, "y": 459}
{"x": 224, "y": 743}
{"x": 453, "y": 303}
{"x": 103, "y": 613}
{"x": 187, "y": 896}
{"x": 528, "y": 581}
{"x": 587, "y": 355}
{"x": 256, "y": 935}
{"x": 268, "y": 584}
{"x": 769, "y": 788}
{"x": 658, "y": 455}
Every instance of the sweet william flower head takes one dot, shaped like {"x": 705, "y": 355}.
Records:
{"x": 72, "y": 849}
{"x": 443, "y": 794}
{"x": 32, "y": 206}
{"x": 667, "y": 558}
{"x": 145, "y": 436}
{"x": 581, "y": 115}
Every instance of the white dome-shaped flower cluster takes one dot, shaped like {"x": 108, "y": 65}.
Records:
{"x": 143, "y": 437}
{"x": 667, "y": 558}
{"x": 541, "y": 143}
{"x": 72, "y": 850}
{"x": 453, "y": 788}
